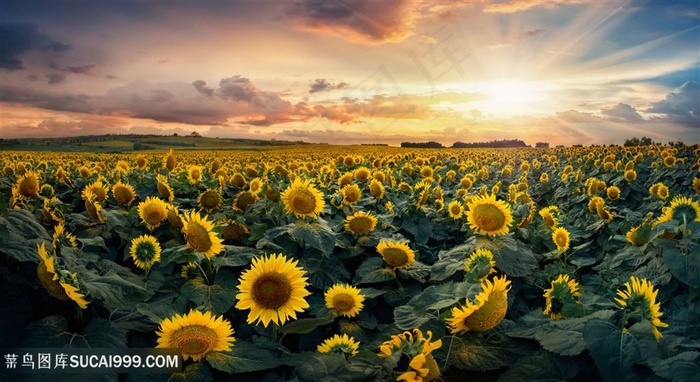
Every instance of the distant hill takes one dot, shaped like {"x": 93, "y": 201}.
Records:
{"x": 135, "y": 142}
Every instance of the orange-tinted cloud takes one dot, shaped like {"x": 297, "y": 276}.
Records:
{"x": 514, "y": 6}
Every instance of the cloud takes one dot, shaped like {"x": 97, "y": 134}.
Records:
{"x": 364, "y": 21}
{"x": 622, "y": 112}
{"x": 202, "y": 87}
{"x": 514, "y": 6}
{"x": 681, "y": 106}
{"x": 55, "y": 78}
{"x": 19, "y": 39}
{"x": 237, "y": 88}
{"x": 322, "y": 84}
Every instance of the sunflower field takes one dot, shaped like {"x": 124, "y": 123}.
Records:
{"x": 360, "y": 263}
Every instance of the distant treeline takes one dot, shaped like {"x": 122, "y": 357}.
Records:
{"x": 463, "y": 145}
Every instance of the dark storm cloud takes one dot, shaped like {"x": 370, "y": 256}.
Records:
{"x": 322, "y": 84}
{"x": 47, "y": 100}
{"x": 681, "y": 106}
{"x": 19, "y": 39}
{"x": 622, "y": 112}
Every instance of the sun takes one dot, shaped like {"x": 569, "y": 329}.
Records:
{"x": 510, "y": 97}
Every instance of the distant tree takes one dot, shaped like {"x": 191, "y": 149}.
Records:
{"x": 645, "y": 141}
{"x": 138, "y": 146}
{"x": 174, "y": 134}
{"x": 542, "y": 145}
{"x": 424, "y": 145}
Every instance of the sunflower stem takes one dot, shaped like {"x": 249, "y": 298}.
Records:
{"x": 206, "y": 278}
{"x": 449, "y": 349}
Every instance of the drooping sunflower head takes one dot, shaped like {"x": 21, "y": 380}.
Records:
{"x": 548, "y": 215}
{"x": 344, "y": 344}
{"x": 152, "y": 212}
{"x": 302, "y": 199}
{"x": 376, "y": 188}
{"x": 234, "y": 232}
{"x": 200, "y": 235}
{"x": 638, "y": 301}
{"x": 243, "y": 200}
{"x": 61, "y": 237}
{"x": 210, "y": 200}
{"x": 195, "y": 174}
{"x": 360, "y": 223}
{"x": 416, "y": 350}
{"x": 52, "y": 211}
{"x": 351, "y": 194}
{"x": 273, "y": 289}
{"x": 640, "y": 234}
{"x": 683, "y": 209}
{"x": 344, "y": 300}
{"x": 196, "y": 334}
{"x": 169, "y": 161}
{"x": 455, "y": 209}
{"x": 488, "y": 216}
{"x": 145, "y": 251}
{"x": 164, "y": 188}
{"x": 389, "y": 206}
{"x": 28, "y": 184}
{"x": 123, "y": 193}
{"x": 141, "y": 162}
{"x": 593, "y": 203}
{"x": 396, "y": 254}
{"x": 480, "y": 265}
{"x": 603, "y": 212}
{"x": 561, "y": 239}
{"x": 563, "y": 291}
{"x": 485, "y": 311}
{"x": 46, "y": 272}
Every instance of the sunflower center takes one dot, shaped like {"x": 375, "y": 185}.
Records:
{"x": 548, "y": 220}
{"x": 489, "y": 218}
{"x": 244, "y": 200}
{"x": 29, "y": 186}
{"x": 303, "y": 202}
{"x": 198, "y": 237}
{"x": 561, "y": 240}
{"x": 196, "y": 174}
{"x": 455, "y": 210}
{"x": 123, "y": 195}
{"x": 395, "y": 257}
{"x": 360, "y": 225}
{"x": 153, "y": 215}
{"x": 271, "y": 290}
{"x": 351, "y": 196}
{"x": 210, "y": 200}
{"x": 490, "y": 314}
{"x": 343, "y": 302}
{"x": 52, "y": 286}
{"x": 194, "y": 339}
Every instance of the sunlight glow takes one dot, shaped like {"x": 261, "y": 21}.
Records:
{"x": 509, "y": 98}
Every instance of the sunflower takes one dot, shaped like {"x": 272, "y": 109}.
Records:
{"x": 396, "y": 254}
{"x": 549, "y": 217}
{"x": 92, "y": 206}
{"x": 273, "y": 289}
{"x": 351, "y": 194}
{"x": 174, "y": 217}
{"x": 562, "y": 291}
{"x": 61, "y": 237}
{"x": 696, "y": 185}
{"x": 417, "y": 349}
{"x": 613, "y": 192}
{"x": 234, "y": 231}
{"x": 593, "y": 203}
{"x": 243, "y": 200}
{"x": 196, "y": 334}
{"x": 344, "y": 300}
{"x": 123, "y": 193}
{"x": 256, "y": 186}
{"x": 389, "y": 206}
{"x": 99, "y": 189}
{"x": 630, "y": 175}
{"x": 200, "y": 235}
{"x": 46, "y": 190}
{"x": 51, "y": 211}
{"x": 28, "y": 184}
{"x": 485, "y": 311}
{"x": 360, "y": 223}
{"x": 209, "y": 200}
{"x": 145, "y": 251}
{"x": 169, "y": 161}
{"x": 141, "y": 162}
{"x": 361, "y": 174}
{"x": 683, "y": 209}
{"x": 237, "y": 180}
{"x": 190, "y": 271}
{"x": 488, "y": 216}
{"x": 164, "y": 188}
{"x": 195, "y": 173}
{"x": 59, "y": 288}
{"x": 544, "y": 177}
{"x": 339, "y": 344}
{"x": 74, "y": 292}
{"x": 153, "y": 211}
{"x": 302, "y": 199}
{"x": 480, "y": 264}
{"x": 561, "y": 238}
{"x": 639, "y": 298}
{"x": 455, "y": 209}
{"x": 603, "y": 212}
{"x": 376, "y": 188}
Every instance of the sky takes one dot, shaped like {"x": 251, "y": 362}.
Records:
{"x": 350, "y": 72}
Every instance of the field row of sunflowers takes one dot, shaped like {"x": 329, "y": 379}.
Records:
{"x": 361, "y": 263}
